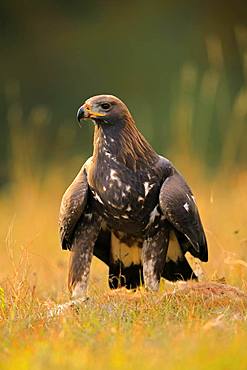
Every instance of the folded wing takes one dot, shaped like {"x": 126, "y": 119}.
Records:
{"x": 178, "y": 205}
{"x": 72, "y": 207}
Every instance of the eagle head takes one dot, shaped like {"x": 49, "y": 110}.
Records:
{"x": 115, "y": 132}
{"x": 105, "y": 110}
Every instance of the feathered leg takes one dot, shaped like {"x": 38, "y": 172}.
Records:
{"x": 154, "y": 258}
{"x": 82, "y": 252}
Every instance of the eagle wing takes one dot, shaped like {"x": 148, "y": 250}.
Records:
{"x": 72, "y": 206}
{"x": 178, "y": 205}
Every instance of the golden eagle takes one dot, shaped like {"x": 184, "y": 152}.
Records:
{"x": 129, "y": 207}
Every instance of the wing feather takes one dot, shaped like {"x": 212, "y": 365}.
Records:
{"x": 178, "y": 205}
{"x": 72, "y": 206}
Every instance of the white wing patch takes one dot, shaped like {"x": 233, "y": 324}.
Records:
{"x": 147, "y": 187}
{"x": 186, "y": 207}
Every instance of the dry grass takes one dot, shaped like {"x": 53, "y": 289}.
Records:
{"x": 188, "y": 326}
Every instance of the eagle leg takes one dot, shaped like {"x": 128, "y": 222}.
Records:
{"x": 154, "y": 257}
{"x": 86, "y": 234}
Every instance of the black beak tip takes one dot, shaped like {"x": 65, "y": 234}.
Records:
{"x": 80, "y": 114}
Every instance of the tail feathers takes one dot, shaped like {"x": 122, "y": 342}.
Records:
{"x": 129, "y": 277}
{"x": 179, "y": 270}
{"x": 125, "y": 263}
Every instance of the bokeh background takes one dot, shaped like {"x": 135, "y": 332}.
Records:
{"x": 180, "y": 66}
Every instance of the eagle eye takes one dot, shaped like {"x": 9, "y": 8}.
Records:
{"x": 105, "y": 106}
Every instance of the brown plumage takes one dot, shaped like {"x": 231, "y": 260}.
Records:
{"x": 129, "y": 207}
{"x": 135, "y": 150}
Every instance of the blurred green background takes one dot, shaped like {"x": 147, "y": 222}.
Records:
{"x": 180, "y": 66}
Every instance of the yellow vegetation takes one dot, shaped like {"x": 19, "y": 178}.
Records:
{"x": 189, "y": 327}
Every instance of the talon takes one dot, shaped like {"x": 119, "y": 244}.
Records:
{"x": 75, "y": 304}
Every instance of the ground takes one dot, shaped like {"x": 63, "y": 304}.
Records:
{"x": 183, "y": 326}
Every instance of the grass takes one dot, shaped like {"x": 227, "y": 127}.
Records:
{"x": 198, "y": 326}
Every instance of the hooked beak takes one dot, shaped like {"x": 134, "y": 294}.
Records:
{"x": 85, "y": 112}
